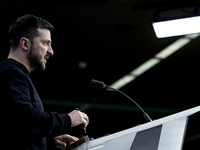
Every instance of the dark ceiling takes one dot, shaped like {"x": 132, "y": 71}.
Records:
{"x": 112, "y": 37}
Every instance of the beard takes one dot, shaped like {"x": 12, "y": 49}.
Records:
{"x": 35, "y": 59}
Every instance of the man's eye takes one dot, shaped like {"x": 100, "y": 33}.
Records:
{"x": 46, "y": 43}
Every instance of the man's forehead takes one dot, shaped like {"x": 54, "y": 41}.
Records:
{"x": 44, "y": 33}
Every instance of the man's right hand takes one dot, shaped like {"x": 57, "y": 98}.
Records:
{"x": 78, "y": 117}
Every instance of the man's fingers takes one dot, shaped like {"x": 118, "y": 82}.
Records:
{"x": 69, "y": 138}
{"x": 85, "y": 120}
{"x": 72, "y": 140}
{"x": 63, "y": 140}
{"x": 59, "y": 143}
{"x": 78, "y": 118}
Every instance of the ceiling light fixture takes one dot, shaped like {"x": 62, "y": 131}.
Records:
{"x": 177, "y": 27}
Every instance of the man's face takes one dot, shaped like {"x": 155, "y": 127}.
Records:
{"x": 40, "y": 50}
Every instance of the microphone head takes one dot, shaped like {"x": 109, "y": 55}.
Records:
{"x": 97, "y": 84}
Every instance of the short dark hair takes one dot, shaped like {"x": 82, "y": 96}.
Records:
{"x": 26, "y": 26}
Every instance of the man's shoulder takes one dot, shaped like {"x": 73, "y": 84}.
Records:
{"x": 10, "y": 72}
{"x": 7, "y": 65}
{"x": 10, "y": 65}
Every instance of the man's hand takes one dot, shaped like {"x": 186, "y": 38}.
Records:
{"x": 64, "y": 140}
{"x": 78, "y": 117}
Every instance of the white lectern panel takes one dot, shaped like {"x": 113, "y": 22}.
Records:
{"x": 163, "y": 134}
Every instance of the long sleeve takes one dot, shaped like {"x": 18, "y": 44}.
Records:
{"x": 23, "y": 113}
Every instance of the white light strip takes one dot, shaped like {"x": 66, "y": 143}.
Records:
{"x": 145, "y": 66}
{"x": 166, "y": 52}
{"x": 169, "y": 50}
{"x": 177, "y": 27}
{"x": 122, "y": 81}
{"x": 192, "y": 36}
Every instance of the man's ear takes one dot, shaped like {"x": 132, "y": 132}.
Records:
{"x": 25, "y": 43}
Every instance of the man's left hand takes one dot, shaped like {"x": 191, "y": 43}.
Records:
{"x": 64, "y": 140}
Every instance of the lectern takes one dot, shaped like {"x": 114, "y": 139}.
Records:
{"x": 163, "y": 134}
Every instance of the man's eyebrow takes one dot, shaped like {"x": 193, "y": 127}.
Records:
{"x": 47, "y": 40}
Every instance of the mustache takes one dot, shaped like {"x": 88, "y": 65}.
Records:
{"x": 47, "y": 56}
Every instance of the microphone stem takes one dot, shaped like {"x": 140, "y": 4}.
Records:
{"x": 146, "y": 116}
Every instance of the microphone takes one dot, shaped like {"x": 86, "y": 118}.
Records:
{"x": 101, "y": 85}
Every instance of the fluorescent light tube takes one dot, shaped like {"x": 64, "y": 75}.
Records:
{"x": 123, "y": 81}
{"x": 169, "y": 50}
{"x": 145, "y": 66}
{"x": 177, "y": 27}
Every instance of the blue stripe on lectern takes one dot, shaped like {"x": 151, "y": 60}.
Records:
{"x": 147, "y": 139}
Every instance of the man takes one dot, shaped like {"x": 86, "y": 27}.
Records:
{"x": 24, "y": 123}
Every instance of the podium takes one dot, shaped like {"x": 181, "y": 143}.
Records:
{"x": 163, "y": 134}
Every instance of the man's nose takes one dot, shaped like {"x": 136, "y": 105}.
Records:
{"x": 50, "y": 51}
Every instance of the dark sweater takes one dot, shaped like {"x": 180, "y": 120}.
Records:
{"x": 25, "y": 125}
